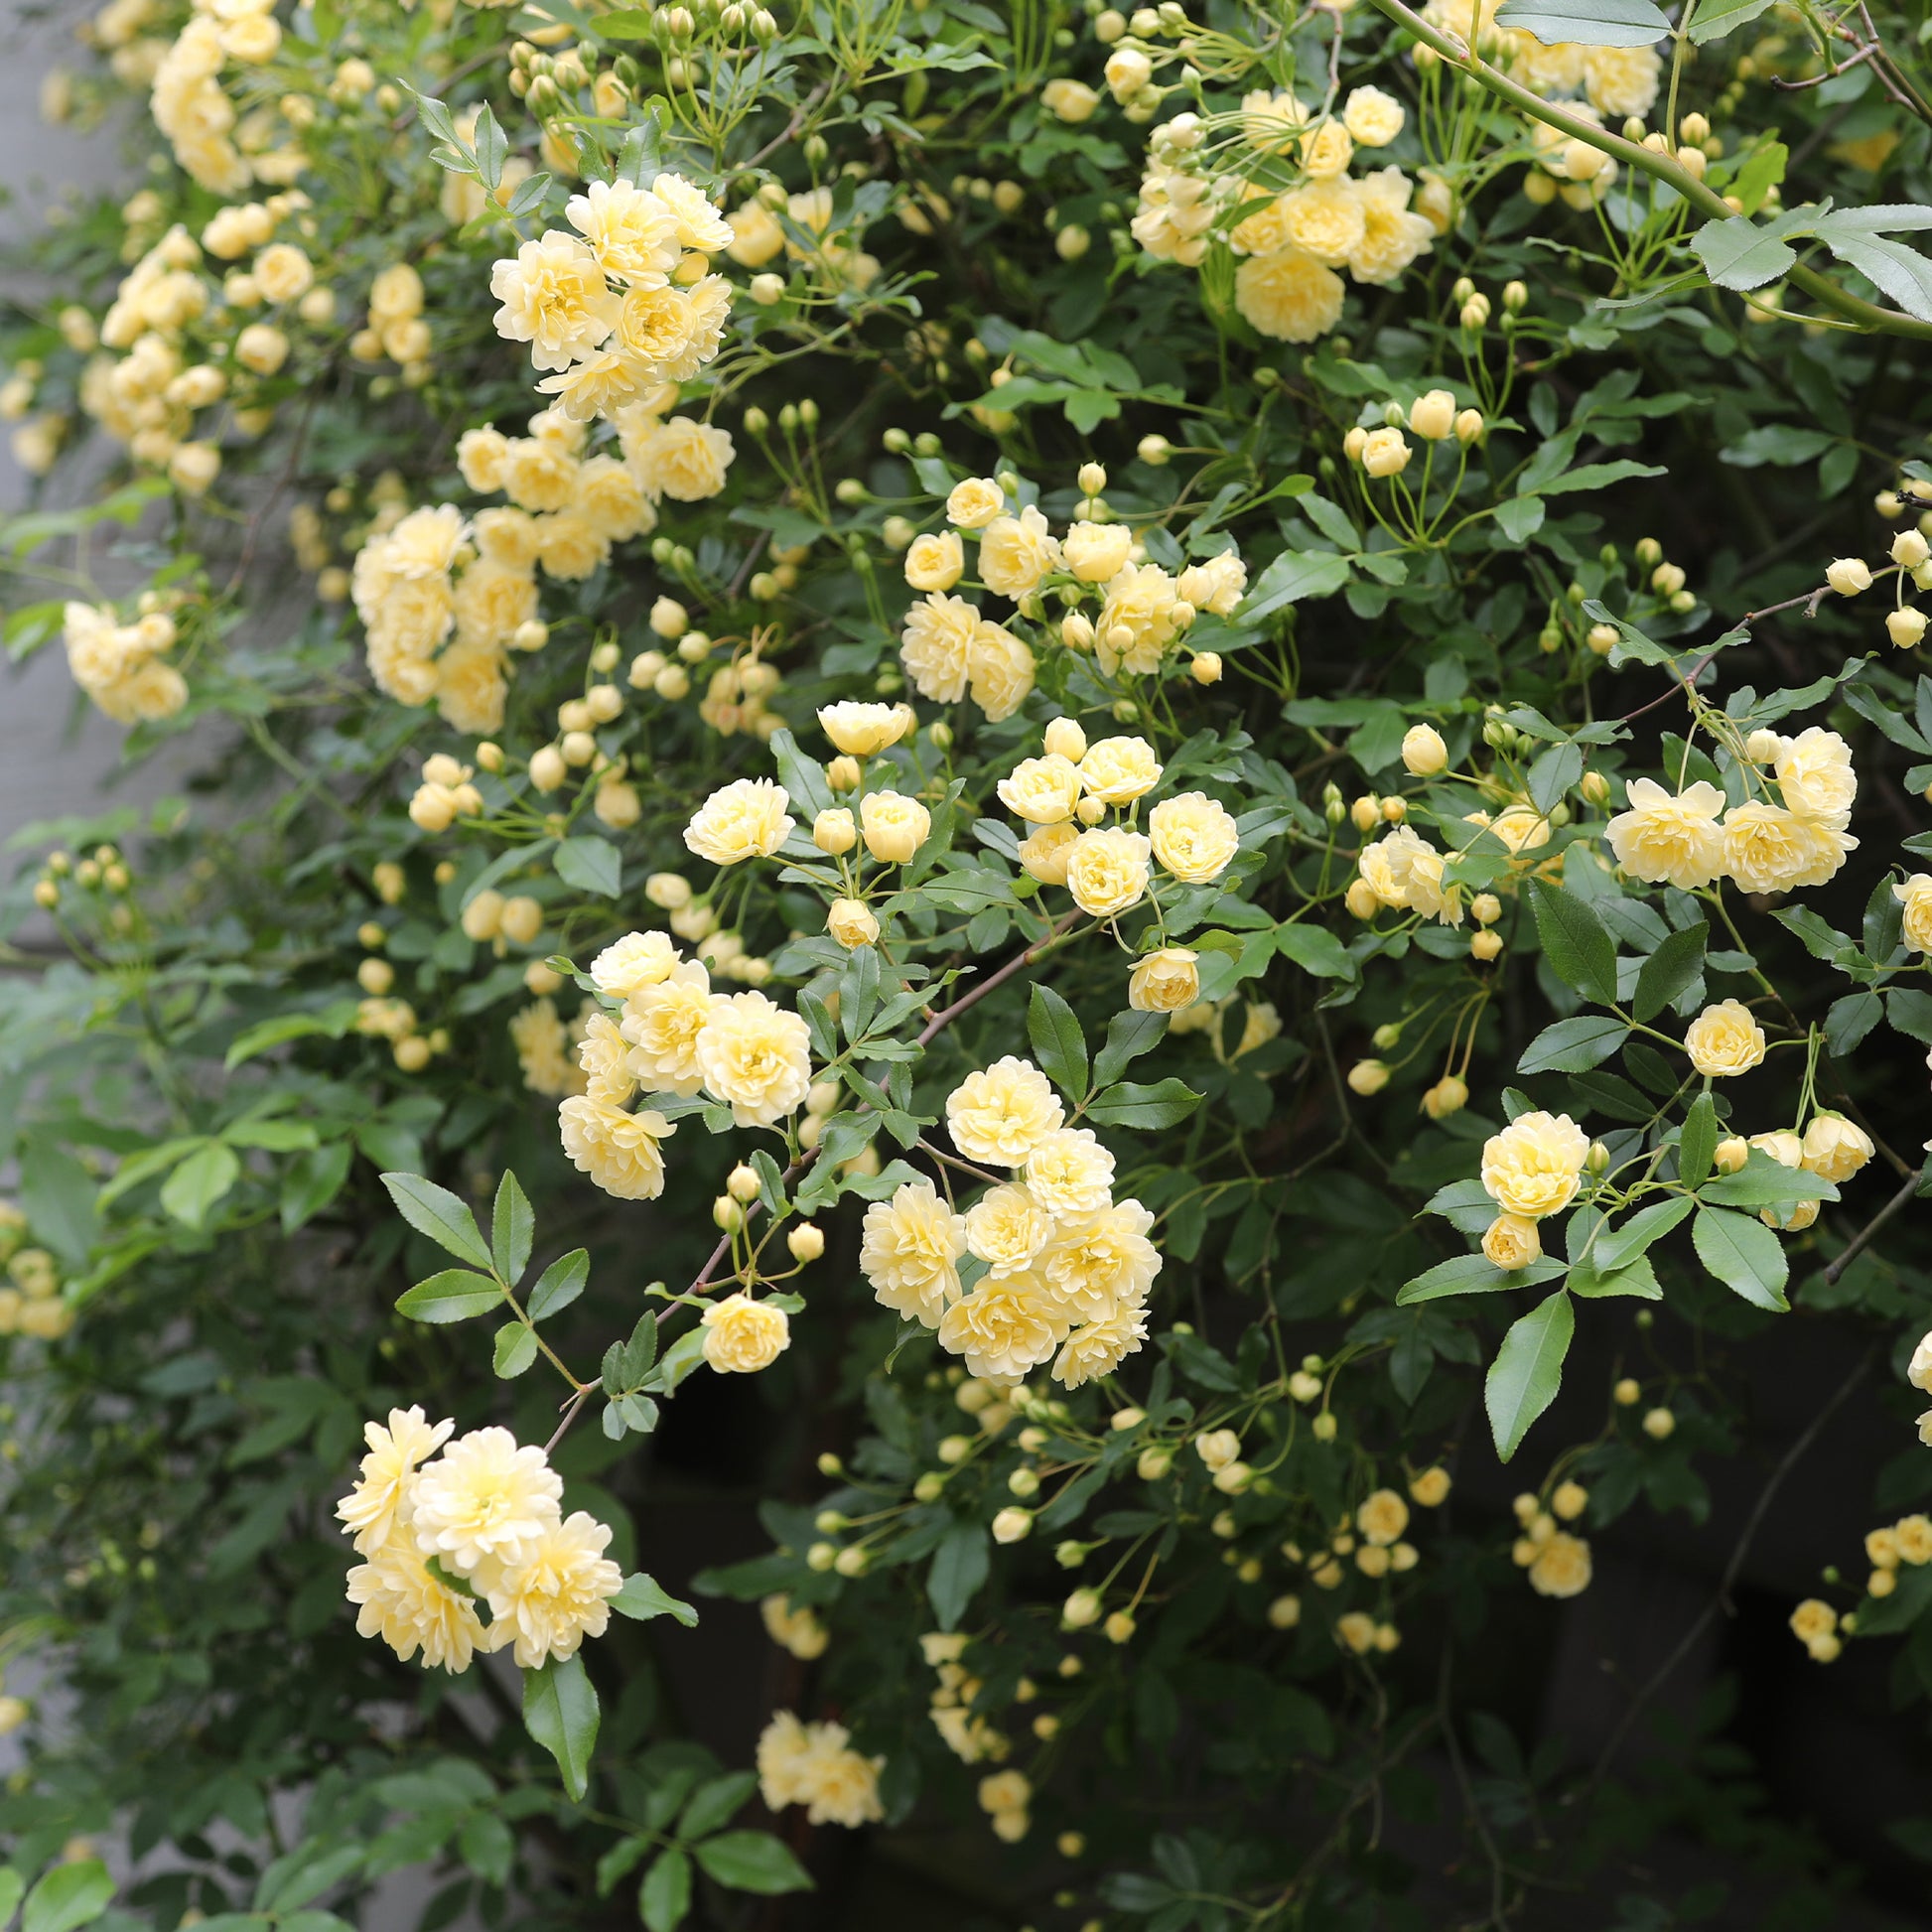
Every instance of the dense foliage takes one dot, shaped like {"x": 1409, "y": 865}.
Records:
{"x": 1048, "y": 784}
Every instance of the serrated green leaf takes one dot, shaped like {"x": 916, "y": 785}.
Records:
{"x": 1744, "y": 1255}
{"x": 1587, "y": 23}
{"x": 1574, "y": 943}
{"x": 1058, "y": 1044}
{"x": 559, "y": 1284}
{"x": 560, "y": 1712}
{"x": 1528, "y": 1370}
{"x": 438, "y": 1213}
{"x": 512, "y": 1227}
{"x": 752, "y": 1861}
{"x": 513, "y": 1350}
{"x": 453, "y": 1295}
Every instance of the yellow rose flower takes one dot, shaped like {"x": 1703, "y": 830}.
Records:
{"x": 1003, "y": 1327}
{"x": 555, "y": 297}
{"x": 1107, "y": 872}
{"x": 936, "y": 646}
{"x": 630, "y": 964}
{"x": 974, "y": 504}
{"x": 1813, "y": 774}
{"x": 1835, "y": 1149}
{"x": 1164, "y": 981}
{"x": 1042, "y": 791}
{"x": 852, "y": 924}
{"x": 1770, "y": 850}
{"x": 1914, "y": 896}
{"x": 1016, "y": 554}
{"x": 1007, "y": 1228}
{"x": 862, "y": 730}
{"x": 1381, "y": 1518}
{"x": 1117, "y": 770}
{"x": 909, "y": 1252}
{"x": 682, "y": 459}
{"x": 894, "y": 826}
{"x": 1725, "y": 1039}
{"x": 1094, "y": 552}
{"x": 741, "y": 1335}
{"x": 1373, "y": 119}
{"x": 1325, "y": 219}
{"x": 1000, "y": 669}
{"x": 1000, "y": 1115}
{"x": 936, "y": 562}
{"x": 1561, "y": 1567}
{"x": 746, "y": 819}
{"x": 1194, "y": 836}
{"x": 1289, "y": 295}
{"x": 1069, "y": 1174}
{"x": 1047, "y": 853}
{"x": 1531, "y": 1167}
{"x": 545, "y": 1605}
{"x": 1392, "y": 234}
{"x": 1511, "y": 1241}
{"x": 755, "y": 1058}
{"x": 623, "y": 1153}
{"x": 1665, "y": 838}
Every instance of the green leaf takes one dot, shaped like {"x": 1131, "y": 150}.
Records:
{"x": 271, "y": 1136}
{"x": 200, "y": 1181}
{"x": 560, "y": 1714}
{"x": 642, "y": 1598}
{"x": 1849, "y": 1020}
{"x": 1315, "y": 950}
{"x": 1717, "y": 17}
{"x": 1574, "y": 1046}
{"x": 1699, "y": 1141}
{"x": 1744, "y": 1255}
{"x": 752, "y": 1861}
{"x": 1740, "y": 254}
{"x": 12, "y": 1884}
{"x": 512, "y": 1227}
{"x": 591, "y": 863}
{"x": 453, "y": 1295}
{"x": 56, "y": 1193}
{"x": 1574, "y": 943}
{"x": 1636, "y": 1278}
{"x": 1671, "y": 971}
{"x": 1520, "y": 517}
{"x": 803, "y": 778}
{"x": 1292, "y": 578}
{"x": 67, "y": 1896}
{"x": 1129, "y": 1036}
{"x": 1764, "y": 1182}
{"x": 959, "y": 1567}
{"x": 559, "y": 1284}
{"x": 1898, "y": 271}
{"x": 333, "y": 1022}
{"x": 714, "y": 1802}
{"x": 1598, "y": 475}
{"x": 664, "y": 1897}
{"x": 1058, "y": 1044}
{"x": 1614, "y": 1247}
{"x": 1587, "y": 23}
{"x": 1528, "y": 1370}
{"x": 1474, "y": 1275}
{"x": 438, "y": 1213}
{"x": 1128, "y": 1104}
{"x": 514, "y": 1350}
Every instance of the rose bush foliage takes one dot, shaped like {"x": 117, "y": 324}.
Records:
{"x": 1140, "y": 753}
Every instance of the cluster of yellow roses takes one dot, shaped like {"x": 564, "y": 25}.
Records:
{"x": 1214, "y": 179}
{"x": 814, "y": 1765}
{"x": 31, "y": 1301}
{"x": 1064, "y": 1266}
{"x": 1690, "y": 838}
{"x": 487, "y": 1512}
{"x": 949, "y": 648}
{"x": 122, "y": 667}
{"x": 602, "y": 346}
{"x": 673, "y": 1034}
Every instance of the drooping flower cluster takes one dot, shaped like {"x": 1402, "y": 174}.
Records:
{"x": 1271, "y": 183}
{"x": 122, "y": 666}
{"x": 1140, "y": 610}
{"x": 485, "y": 1514}
{"x": 1531, "y": 1169}
{"x": 1062, "y": 1266}
{"x": 1690, "y": 838}
{"x": 814, "y": 1765}
{"x": 673, "y": 1034}
{"x": 624, "y": 305}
